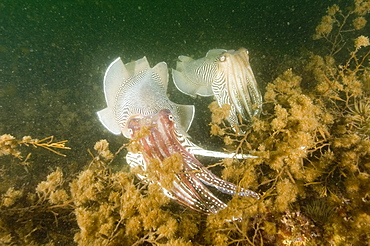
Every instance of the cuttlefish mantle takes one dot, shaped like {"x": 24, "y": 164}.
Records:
{"x": 136, "y": 89}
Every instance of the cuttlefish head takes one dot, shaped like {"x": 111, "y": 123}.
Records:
{"x": 236, "y": 85}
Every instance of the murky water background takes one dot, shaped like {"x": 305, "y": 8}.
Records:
{"x": 54, "y": 54}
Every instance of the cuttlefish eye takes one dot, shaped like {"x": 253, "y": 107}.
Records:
{"x": 222, "y": 58}
{"x": 130, "y": 131}
{"x": 170, "y": 117}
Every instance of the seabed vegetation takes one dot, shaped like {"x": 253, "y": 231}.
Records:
{"x": 312, "y": 172}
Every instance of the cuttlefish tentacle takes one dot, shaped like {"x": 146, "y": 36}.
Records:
{"x": 158, "y": 144}
{"x": 188, "y": 189}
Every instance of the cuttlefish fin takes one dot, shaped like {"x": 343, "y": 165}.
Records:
{"x": 115, "y": 75}
{"x": 187, "y": 81}
{"x": 189, "y": 86}
{"x": 214, "y": 53}
{"x": 185, "y": 58}
{"x": 162, "y": 71}
{"x": 107, "y": 118}
{"x": 135, "y": 67}
{"x": 186, "y": 115}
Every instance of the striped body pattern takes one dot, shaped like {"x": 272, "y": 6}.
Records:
{"x": 136, "y": 89}
{"x": 225, "y": 74}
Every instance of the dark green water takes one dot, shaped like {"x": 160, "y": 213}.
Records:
{"x": 54, "y": 54}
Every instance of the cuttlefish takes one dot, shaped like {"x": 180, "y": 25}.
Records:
{"x": 159, "y": 140}
{"x": 134, "y": 91}
{"x": 227, "y": 75}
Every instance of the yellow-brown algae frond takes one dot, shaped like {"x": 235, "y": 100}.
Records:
{"x": 346, "y": 141}
{"x": 8, "y": 143}
{"x": 283, "y": 87}
{"x": 53, "y": 180}
{"x": 228, "y": 140}
{"x": 216, "y": 130}
{"x": 168, "y": 229}
{"x": 219, "y": 113}
{"x": 143, "y": 132}
{"x": 58, "y": 196}
{"x": 286, "y": 194}
{"x": 87, "y": 187}
{"x": 135, "y": 146}
{"x": 362, "y": 7}
{"x": 46, "y": 143}
{"x": 133, "y": 226}
{"x": 281, "y": 119}
{"x": 102, "y": 147}
{"x": 165, "y": 171}
{"x": 10, "y": 197}
{"x": 325, "y": 27}
{"x": 332, "y": 10}
{"x": 177, "y": 242}
{"x": 361, "y": 41}
{"x": 359, "y": 23}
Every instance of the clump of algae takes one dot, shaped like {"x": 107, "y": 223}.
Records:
{"x": 112, "y": 209}
{"x": 96, "y": 207}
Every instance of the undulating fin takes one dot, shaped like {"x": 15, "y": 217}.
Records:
{"x": 185, "y": 58}
{"x": 162, "y": 71}
{"x": 186, "y": 115}
{"x": 182, "y": 83}
{"x": 194, "y": 77}
{"x": 114, "y": 76}
{"x": 181, "y": 63}
{"x": 106, "y": 117}
{"x": 137, "y": 66}
{"x": 188, "y": 86}
{"x": 214, "y": 53}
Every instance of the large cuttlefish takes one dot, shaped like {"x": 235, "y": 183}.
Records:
{"x": 227, "y": 75}
{"x": 134, "y": 91}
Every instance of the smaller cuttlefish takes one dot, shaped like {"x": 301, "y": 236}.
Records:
{"x": 159, "y": 140}
{"x": 227, "y": 75}
{"x": 134, "y": 91}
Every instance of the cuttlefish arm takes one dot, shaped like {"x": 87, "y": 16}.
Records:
{"x": 189, "y": 186}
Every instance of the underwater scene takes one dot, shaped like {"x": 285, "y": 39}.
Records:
{"x": 217, "y": 122}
